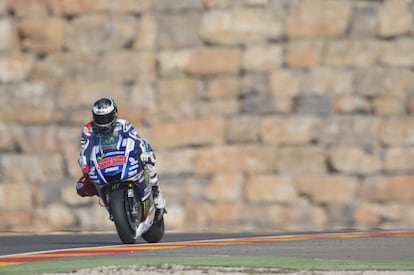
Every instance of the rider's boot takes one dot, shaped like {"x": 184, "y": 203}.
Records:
{"x": 159, "y": 203}
{"x": 159, "y": 200}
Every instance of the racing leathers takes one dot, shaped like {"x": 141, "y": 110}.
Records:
{"x": 89, "y": 138}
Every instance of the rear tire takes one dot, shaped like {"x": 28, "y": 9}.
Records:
{"x": 123, "y": 221}
{"x": 155, "y": 233}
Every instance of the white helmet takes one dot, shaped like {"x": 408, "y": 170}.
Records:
{"x": 105, "y": 113}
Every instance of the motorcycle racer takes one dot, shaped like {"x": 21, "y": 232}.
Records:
{"x": 105, "y": 120}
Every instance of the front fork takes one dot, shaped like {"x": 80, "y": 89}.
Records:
{"x": 132, "y": 188}
{"x": 132, "y": 201}
{"x": 104, "y": 194}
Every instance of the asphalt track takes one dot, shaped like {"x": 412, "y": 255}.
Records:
{"x": 374, "y": 245}
{"x": 387, "y": 246}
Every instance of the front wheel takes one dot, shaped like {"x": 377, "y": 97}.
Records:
{"x": 125, "y": 218}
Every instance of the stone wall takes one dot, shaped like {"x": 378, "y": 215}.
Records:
{"x": 264, "y": 114}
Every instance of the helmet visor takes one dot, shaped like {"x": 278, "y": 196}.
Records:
{"x": 104, "y": 120}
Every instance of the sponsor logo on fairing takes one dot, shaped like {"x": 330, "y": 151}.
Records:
{"x": 112, "y": 161}
{"x": 111, "y": 169}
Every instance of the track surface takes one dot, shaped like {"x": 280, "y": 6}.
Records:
{"x": 14, "y": 244}
{"x": 387, "y": 246}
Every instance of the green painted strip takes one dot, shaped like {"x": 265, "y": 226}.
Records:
{"x": 284, "y": 263}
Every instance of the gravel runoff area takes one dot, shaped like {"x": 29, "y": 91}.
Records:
{"x": 190, "y": 270}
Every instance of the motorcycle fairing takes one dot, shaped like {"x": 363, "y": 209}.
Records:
{"x": 118, "y": 164}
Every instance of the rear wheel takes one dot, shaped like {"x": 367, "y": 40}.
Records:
{"x": 155, "y": 233}
{"x": 126, "y": 215}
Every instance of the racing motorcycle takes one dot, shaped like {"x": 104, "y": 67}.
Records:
{"x": 125, "y": 189}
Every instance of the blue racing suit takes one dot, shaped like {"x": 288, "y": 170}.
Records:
{"x": 88, "y": 140}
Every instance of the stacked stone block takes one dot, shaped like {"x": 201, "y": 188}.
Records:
{"x": 265, "y": 114}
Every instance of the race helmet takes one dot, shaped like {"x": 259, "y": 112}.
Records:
{"x": 105, "y": 113}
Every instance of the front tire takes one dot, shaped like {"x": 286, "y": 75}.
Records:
{"x": 124, "y": 221}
